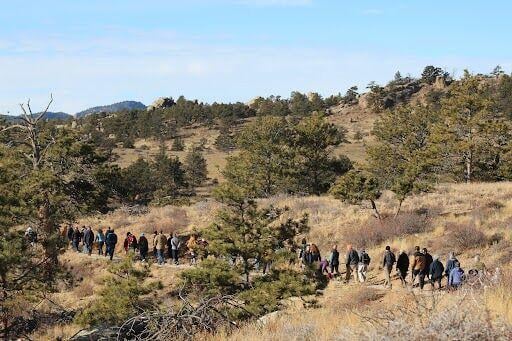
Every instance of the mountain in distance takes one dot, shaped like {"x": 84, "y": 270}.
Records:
{"x": 51, "y": 116}
{"x": 125, "y": 105}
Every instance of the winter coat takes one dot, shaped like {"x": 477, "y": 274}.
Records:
{"x": 450, "y": 264}
{"x": 389, "y": 259}
{"x": 77, "y": 236}
{"x": 403, "y": 262}
{"x": 436, "y": 269}
{"x": 71, "y": 231}
{"x": 100, "y": 237}
{"x": 88, "y": 237}
{"x": 161, "y": 241}
{"x": 175, "y": 243}
{"x": 428, "y": 261}
{"x": 111, "y": 239}
{"x": 456, "y": 276}
{"x": 315, "y": 257}
{"x": 352, "y": 258}
{"x": 143, "y": 244}
{"x": 419, "y": 261}
{"x": 364, "y": 258}
{"x": 335, "y": 258}
{"x": 130, "y": 242}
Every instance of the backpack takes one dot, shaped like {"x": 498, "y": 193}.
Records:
{"x": 365, "y": 258}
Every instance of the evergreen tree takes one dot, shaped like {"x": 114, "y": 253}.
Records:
{"x": 401, "y": 157}
{"x": 195, "y": 167}
{"x": 299, "y": 104}
{"x": 178, "y": 144}
{"x": 168, "y": 174}
{"x": 472, "y": 135}
{"x": 313, "y": 140}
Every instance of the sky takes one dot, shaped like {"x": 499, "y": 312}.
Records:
{"x": 97, "y": 52}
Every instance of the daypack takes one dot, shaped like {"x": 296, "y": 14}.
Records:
{"x": 365, "y": 258}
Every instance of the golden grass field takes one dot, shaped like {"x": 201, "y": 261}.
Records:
{"x": 485, "y": 206}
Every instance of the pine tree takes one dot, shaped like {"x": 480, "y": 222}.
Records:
{"x": 196, "y": 167}
{"x": 178, "y": 144}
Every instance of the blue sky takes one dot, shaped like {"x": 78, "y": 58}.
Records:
{"x": 92, "y": 52}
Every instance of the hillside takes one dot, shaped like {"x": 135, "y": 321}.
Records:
{"x": 340, "y": 305}
{"x": 120, "y": 106}
{"x": 51, "y": 116}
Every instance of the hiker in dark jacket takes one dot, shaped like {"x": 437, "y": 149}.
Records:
{"x": 315, "y": 253}
{"x": 88, "y": 240}
{"x": 436, "y": 272}
{"x": 303, "y": 245}
{"x": 402, "y": 267}
{"x": 450, "y": 264}
{"x": 143, "y": 247}
{"x": 428, "y": 261}
{"x": 307, "y": 258}
{"x": 362, "y": 267}
{"x": 77, "y": 237}
{"x": 71, "y": 230}
{"x": 418, "y": 267}
{"x": 110, "y": 242}
{"x": 351, "y": 262}
{"x": 387, "y": 264}
{"x": 175, "y": 248}
{"x": 334, "y": 260}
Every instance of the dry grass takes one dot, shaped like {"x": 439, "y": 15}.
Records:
{"x": 486, "y": 208}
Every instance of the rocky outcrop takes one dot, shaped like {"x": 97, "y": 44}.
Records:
{"x": 161, "y": 103}
{"x": 440, "y": 83}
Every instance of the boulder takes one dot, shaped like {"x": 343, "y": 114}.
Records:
{"x": 440, "y": 83}
{"x": 160, "y": 103}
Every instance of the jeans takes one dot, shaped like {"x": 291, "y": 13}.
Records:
{"x": 160, "y": 256}
{"x": 175, "y": 255}
{"x": 87, "y": 249}
{"x": 75, "y": 245}
{"x": 110, "y": 251}
{"x": 143, "y": 254}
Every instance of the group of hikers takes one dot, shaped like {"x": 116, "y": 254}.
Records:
{"x": 421, "y": 265}
{"x": 84, "y": 240}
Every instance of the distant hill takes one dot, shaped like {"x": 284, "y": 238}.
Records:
{"x": 62, "y": 116}
{"x": 125, "y": 105}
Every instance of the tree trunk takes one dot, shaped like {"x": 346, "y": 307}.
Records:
{"x": 375, "y": 210}
{"x": 399, "y": 208}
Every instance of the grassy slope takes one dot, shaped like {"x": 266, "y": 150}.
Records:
{"x": 488, "y": 206}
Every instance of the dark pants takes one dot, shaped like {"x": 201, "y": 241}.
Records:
{"x": 403, "y": 275}
{"x": 175, "y": 255}
{"x": 110, "y": 251}
{"x": 143, "y": 254}
{"x": 100, "y": 248}
{"x": 75, "y": 245}
{"x": 435, "y": 280}
{"x": 421, "y": 275}
{"x": 335, "y": 268}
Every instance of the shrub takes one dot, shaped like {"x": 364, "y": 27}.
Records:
{"x": 465, "y": 236}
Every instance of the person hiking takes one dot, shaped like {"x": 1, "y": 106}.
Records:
{"x": 315, "y": 253}
{"x": 450, "y": 264}
{"x": 71, "y": 230}
{"x": 88, "y": 240}
{"x": 428, "y": 260}
{"x": 436, "y": 270}
{"x": 302, "y": 249}
{"x": 143, "y": 247}
{"x": 192, "y": 248}
{"x": 110, "y": 242}
{"x": 77, "y": 237}
{"x": 362, "y": 267}
{"x": 161, "y": 241}
{"x": 100, "y": 241}
{"x": 479, "y": 268}
{"x": 334, "y": 261}
{"x": 130, "y": 242}
{"x": 387, "y": 264}
{"x": 456, "y": 276}
{"x": 31, "y": 236}
{"x": 351, "y": 262}
{"x": 402, "y": 267}
{"x": 307, "y": 258}
{"x": 418, "y": 267}
{"x": 155, "y": 236}
{"x": 323, "y": 268}
{"x": 175, "y": 248}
